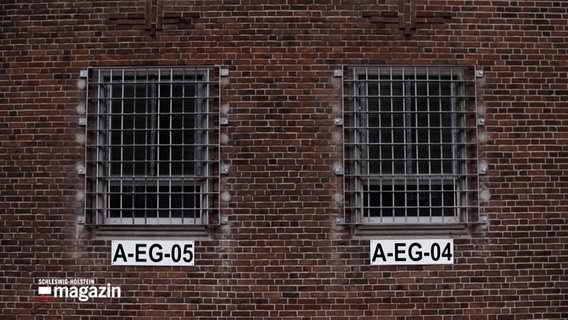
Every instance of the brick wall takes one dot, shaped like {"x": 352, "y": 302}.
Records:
{"x": 282, "y": 256}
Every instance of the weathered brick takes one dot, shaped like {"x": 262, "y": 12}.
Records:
{"x": 282, "y": 255}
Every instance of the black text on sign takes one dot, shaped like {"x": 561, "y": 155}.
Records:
{"x": 412, "y": 252}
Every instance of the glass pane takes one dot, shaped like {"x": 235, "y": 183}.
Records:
{"x": 151, "y": 202}
{"x": 130, "y": 124}
{"x": 177, "y": 130}
{"x": 386, "y": 114}
{"x": 410, "y": 200}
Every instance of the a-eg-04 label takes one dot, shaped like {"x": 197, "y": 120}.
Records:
{"x": 412, "y": 252}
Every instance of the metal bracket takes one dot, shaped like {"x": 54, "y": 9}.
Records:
{"x": 84, "y": 74}
{"x": 340, "y": 221}
{"x": 482, "y": 167}
{"x": 223, "y": 220}
{"x": 81, "y": 219}
{"x": 225, "y": 169}
{"x": 338, "y": 73}
{"x": 338, "y": 121}
{"x": 81, "y": 169}
{"x": 482, "y": 219}
{"x": 338, "y": 170}
{"x": 224, "y": 121}
{"x": 480, "y": 121}
{"x": 479, "y": 73}
{"x": 224, "y": 72}
{"x": 82, "y": 122}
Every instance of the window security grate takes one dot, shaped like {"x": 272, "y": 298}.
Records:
{"x": 150, "y": 146}
{"x": 409, "y": 151}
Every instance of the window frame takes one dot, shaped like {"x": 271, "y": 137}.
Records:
{"x": 358, "y": 180}
{"x": 102, "y": 177}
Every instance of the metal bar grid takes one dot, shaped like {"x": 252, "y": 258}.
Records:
{"x": 410, "y": 151}
{"x": 150, "y": 147}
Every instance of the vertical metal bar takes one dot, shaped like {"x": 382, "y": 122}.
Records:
{"x": 151, "y": 126}
{"x": 99, "y": 148}
{"x": 94, "y": 197}
{"x": 204, "y": 191}
{"x": 364, "y": 184}
{"x": 391, "y": 143}
{"x": 408, "y": 143}
{"x": 197, "y": 182}
{"x": 379, "y": 130}
{"x": 442, "y": 113}
{"x": 107, "y": 141}
{"x": 96, "y": 189}
{"x": 365, "y": 193}
{"x": 357, "y": 197}
{"x": 455, "y": 140}
{"x": 429, "y": 115}
{"x": 170, "y": 147}
{"x": 460, "y": 141}
{"x": 122, "y": 146}
{"x": 200, "y": 181}
{"x": 344, "y": 147}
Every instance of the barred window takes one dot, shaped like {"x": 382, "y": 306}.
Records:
{"x": 409, "y": 156}
{"x": 150, "y": 149}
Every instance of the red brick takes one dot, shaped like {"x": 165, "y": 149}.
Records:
{"x": 282, "y": 254}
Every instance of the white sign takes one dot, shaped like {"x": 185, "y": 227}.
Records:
{"x": 418, "y": 251}
{"x": 152, "y": 253}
